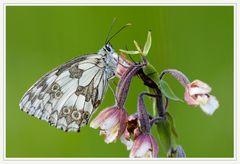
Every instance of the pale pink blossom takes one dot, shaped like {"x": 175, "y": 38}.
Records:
{"x": 145, "y": 146}
{"x": 112, "y": 123}
{"x": 197, "y": 93}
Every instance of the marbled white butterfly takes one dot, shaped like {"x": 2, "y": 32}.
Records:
{"x": 67, "y": 96}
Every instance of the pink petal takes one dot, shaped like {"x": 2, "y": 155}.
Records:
{"x": 189, "y": 99}
{"x": 110, "y": 121}
{"x": 123, "y": 65}
{"x": 198, "y": 90}
{"x": 132, "y": 117}
{"x": 199, "y": 87}
{"x": 110, "y": 134}
{"x": 127, "y": 134}
{"x": 128, "y": 143}
{"x": 144, "y": 150}
{"x": 120, "y": 70}
{"x": 154, "y": 147}
{"x": 144, "y": 146}
{"x": 102, "y": 116}
{"x": 111, "y": 137}
{"x": 136, "y": 132}
{"x": 123, "y": 121}
{"x": 137, "y": 143}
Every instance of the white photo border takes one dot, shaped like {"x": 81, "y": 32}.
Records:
{"x": 86, "y": 3}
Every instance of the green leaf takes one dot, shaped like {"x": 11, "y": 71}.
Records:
{"x": 171, "y": 121}
{"x": 167, "y": 91}
{"x": 129, "y": 52}
{"x": 147, "y": 45}
{"x": 165, "y": 134}
{"x": 137, "y": 46}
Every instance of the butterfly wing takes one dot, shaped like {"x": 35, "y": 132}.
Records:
{"x": 68, "y": 95}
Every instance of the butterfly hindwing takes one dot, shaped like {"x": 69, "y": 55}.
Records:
{"x": 68, "y": 95}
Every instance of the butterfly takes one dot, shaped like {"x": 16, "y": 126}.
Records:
{"x": 67, "y": 96}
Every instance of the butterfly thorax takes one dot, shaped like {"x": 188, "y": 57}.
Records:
{"x": 110, "y": 59}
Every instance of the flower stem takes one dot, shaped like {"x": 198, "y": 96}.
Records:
{"x": 143, "y": 115}
{"x": 151, "y": 84}
{"x": 157, "y": 119}
{"x": 124, "y": 83}
{"x": 177, "y": 74}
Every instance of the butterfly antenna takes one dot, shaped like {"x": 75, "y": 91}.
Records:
{"x": 123, "y": 27}
{"x": 110, "y": 29}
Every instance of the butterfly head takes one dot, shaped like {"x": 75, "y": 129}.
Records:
{"x": 115, "y": 64}
{"x": 108, "y": 53}
{"x": 108, "y": 48}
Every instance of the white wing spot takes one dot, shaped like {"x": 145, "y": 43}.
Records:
{"x": 85, "y": 66}
{"x": 80, "y": 102}
{"x": 88, "y": 107}
{"x": 97, "y": 78}
{"x": 87, "y": 76}
{"x": 68, "y": 90}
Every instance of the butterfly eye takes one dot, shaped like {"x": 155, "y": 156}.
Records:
{"x": 108, "y": 47}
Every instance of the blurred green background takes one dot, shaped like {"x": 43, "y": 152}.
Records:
{"x": 198, "y": 40}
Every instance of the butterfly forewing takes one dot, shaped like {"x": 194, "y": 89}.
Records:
{"x": 68, "y": 95}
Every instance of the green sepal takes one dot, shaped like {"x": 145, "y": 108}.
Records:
{"x": 137, "y": 46}
{"x": 129, "y": 52}
{"x": 167, "y": 91}
{"x": 171, "y": 121}
{"x": 165, "y": 133}
{"x": 147, "y": 45}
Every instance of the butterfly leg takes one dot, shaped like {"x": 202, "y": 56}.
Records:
{"x": 112, "y": 89}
